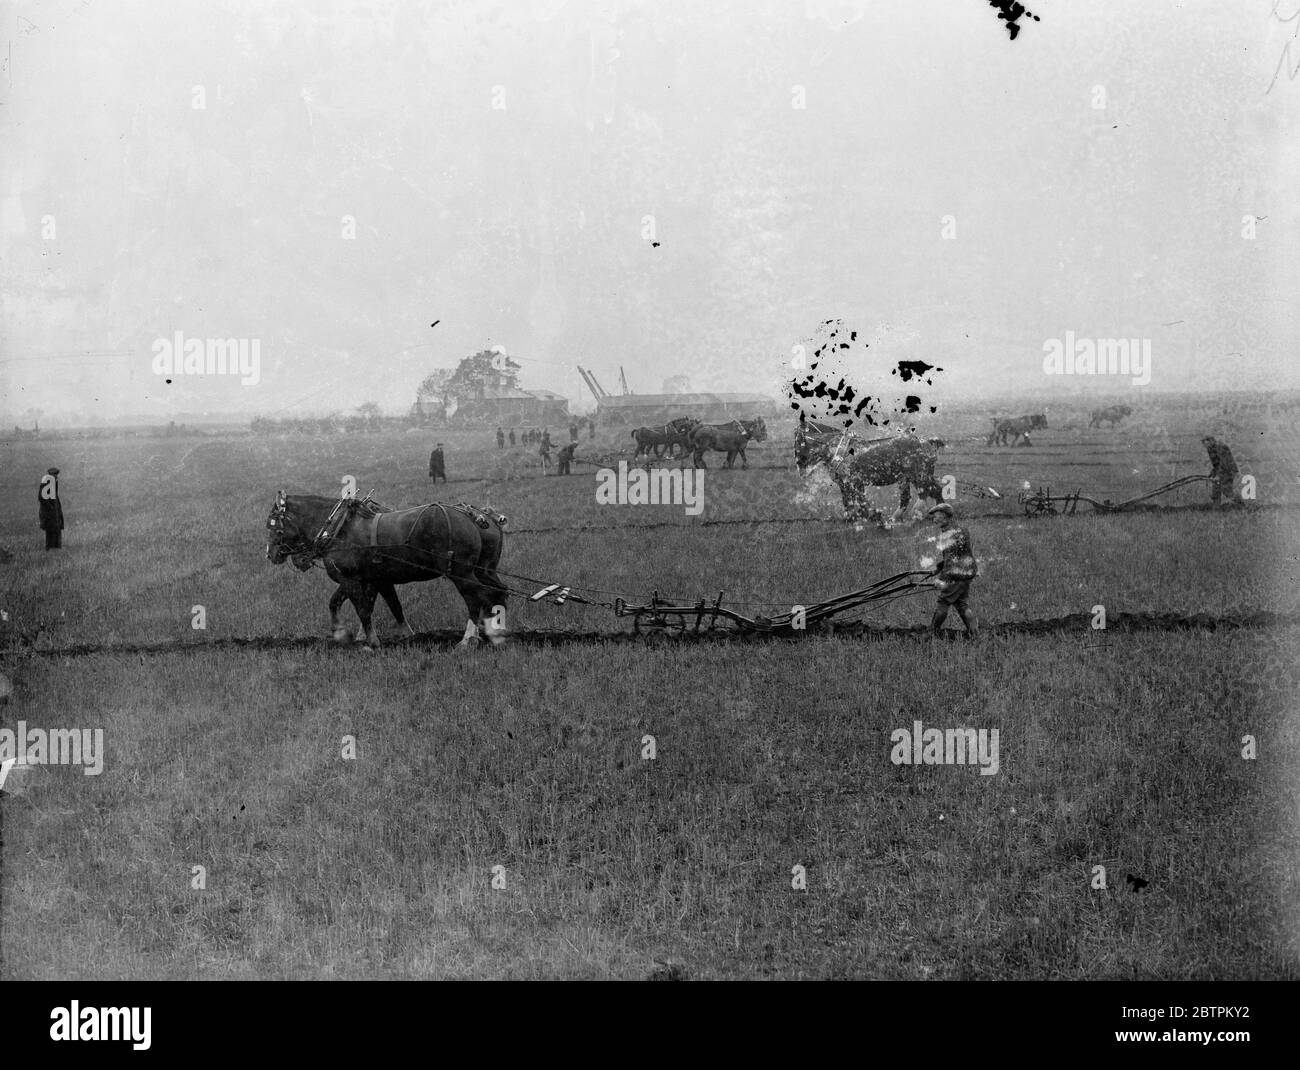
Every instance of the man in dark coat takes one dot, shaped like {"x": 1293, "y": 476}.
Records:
{"x": 955, "y": 571}
{"x": 1223, "y": 471}
{"x": 51, "y": 509}
{"x": 512, "y": 437}
{"x": 437, "y": 465}
{"x": 565, "y": 458}
{"x": 573, "y": 432}
{"x": 501, "y": 439}
{"x": 591, "y": 427}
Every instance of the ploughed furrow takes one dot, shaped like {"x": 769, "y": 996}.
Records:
{"x": 1077, "y": 623}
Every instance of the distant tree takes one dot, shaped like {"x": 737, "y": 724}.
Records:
{"x": 432, "y": 392}
{"x": 368, "y": 410}
{"x": 677, "y": 384}
{"x": 485, "y": 370}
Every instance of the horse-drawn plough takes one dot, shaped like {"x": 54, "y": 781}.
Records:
{"x": 702, "y": 616}
{"x": 1042, "y": 502}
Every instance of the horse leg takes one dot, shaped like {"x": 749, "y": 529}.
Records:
{"x": 337, "y": 629}
{"x": 389, "y": 593}
{"x": 363, "y": 601}
{"x": 744, "y": 461}
{"x": 904, "y": 499}
{"x": 481, "y": 605}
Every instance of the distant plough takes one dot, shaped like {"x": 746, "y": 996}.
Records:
{"x": 1043, "y": 502}
{"x": 1076, "y": 623}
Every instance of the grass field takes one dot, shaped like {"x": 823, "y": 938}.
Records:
{"x": 1119, "y": 749}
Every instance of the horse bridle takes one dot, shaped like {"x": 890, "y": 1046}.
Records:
{"x": 302, "y": 557}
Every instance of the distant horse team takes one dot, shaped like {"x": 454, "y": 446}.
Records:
{"x": 687, "y": 434}
{"x": 729, "y": 438}
{"x": 1017, "y": 429}
{"x": 1112, "y": 415}
{"x": 674, "y": 434}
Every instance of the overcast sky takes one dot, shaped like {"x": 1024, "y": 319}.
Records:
{"x": 496, "y": 165}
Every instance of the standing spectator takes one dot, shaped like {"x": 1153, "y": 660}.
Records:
{"x": 591, "y": 427}
{"x": 1223, "y": 471}
{"x": 51, "y": 509}
{"x": 573, "y": 432}
{"x": 955, "y": 571}
{"x": 437, "y": 465}
{"x": 565, "y": 458}
{"x": 501, "y": 439}
{"x": 545, "y": 452}
{"x": 512, "y": 438}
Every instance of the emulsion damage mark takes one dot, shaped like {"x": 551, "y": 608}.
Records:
{"x": 1010, "y": 12}
{"x": 814, "y": 397}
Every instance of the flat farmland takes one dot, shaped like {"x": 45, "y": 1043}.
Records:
{"x": 224, "y": 747}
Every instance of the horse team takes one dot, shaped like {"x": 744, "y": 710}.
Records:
{"x": 690, "y": 435}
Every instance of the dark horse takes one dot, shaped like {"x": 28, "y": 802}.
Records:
{"x": 367, "y": 549}
{"x": 674, "y": 434}
{"x": 729, "y": 438}
{"x": 856, "y": 464}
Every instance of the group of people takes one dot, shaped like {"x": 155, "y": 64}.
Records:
{"x": 541, "y": 436}
{"x": 564, "y": 457}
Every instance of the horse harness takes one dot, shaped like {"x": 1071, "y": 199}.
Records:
{"x": 369, "y": 510}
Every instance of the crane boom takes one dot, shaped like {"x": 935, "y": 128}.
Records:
{"x": 589, "y": 378}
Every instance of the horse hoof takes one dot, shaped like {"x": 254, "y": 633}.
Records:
{"x": 342, "y": 635}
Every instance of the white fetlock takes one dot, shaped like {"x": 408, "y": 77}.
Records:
{"x": 471, "y": 638}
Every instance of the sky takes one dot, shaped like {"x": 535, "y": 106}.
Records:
{"x": 361, "y": 192}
